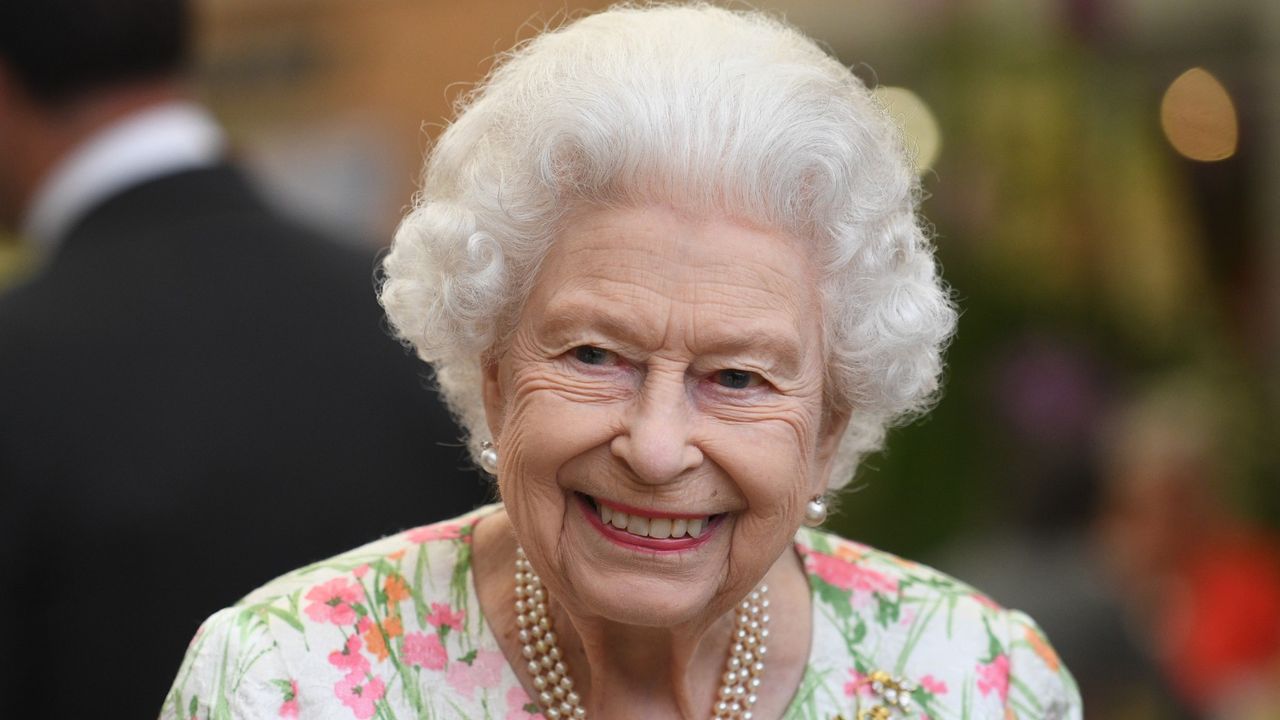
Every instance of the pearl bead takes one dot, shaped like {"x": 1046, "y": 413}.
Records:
{"x": 550, "y": 675}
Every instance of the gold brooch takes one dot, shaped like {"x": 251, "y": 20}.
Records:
{"x": 894, "y": 695}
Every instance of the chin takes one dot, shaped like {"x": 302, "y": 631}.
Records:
{"x": 643, "y": 601}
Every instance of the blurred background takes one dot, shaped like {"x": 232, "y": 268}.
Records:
{"x": 1102, "y": 177}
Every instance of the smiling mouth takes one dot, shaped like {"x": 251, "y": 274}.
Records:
{"x": 659, "y": 527}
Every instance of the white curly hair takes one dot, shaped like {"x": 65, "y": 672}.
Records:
{"x": 697, "y": 107}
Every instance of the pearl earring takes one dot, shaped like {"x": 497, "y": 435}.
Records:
{"x": 488, "y": 457}
{"x": 815, "y": 513}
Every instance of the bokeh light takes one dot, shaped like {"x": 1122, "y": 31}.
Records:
{"x": 924, "y": 139}
{"x": 1199, "y": 118}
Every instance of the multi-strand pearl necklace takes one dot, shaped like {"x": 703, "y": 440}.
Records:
{"x": 739, "y": 686}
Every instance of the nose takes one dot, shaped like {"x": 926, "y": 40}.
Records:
{"x": 657, "y": 443}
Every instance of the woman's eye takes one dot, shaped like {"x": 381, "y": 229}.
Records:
{"x": 737, "y": 379}
{"x": 592, "y": 355}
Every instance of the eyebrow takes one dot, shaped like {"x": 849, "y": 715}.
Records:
{"x": 563, "y": 317}
{"x": 782, "y": 351}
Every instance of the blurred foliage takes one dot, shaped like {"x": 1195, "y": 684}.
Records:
{"x": 1084, "y": 270}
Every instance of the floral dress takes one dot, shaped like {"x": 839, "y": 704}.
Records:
{"x": 393, "y": 631}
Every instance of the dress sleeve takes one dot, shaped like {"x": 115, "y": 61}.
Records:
{"x": 1040, "y": 686}
{"x": 233, "y": 669}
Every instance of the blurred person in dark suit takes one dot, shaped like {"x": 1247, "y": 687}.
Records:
{"x": 195, "y": 393}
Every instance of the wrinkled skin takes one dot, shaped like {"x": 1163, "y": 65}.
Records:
{"x": 675, "y": 363}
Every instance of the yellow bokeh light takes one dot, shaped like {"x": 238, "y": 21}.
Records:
{"x": 917, "y": 122}
{"x": 1199, "y": 118}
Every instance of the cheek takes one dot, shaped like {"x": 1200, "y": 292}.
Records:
{"x": 546, "y": 429}
{"x": 771, "y": 463}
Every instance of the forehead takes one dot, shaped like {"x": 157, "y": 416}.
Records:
{"x": 664, "y": 267}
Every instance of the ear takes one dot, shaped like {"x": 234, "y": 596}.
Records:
{"x": 829, "y": 436}
{"x": 495, "y": 401}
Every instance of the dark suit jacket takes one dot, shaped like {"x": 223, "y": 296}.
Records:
{"x": 197, "y": 395}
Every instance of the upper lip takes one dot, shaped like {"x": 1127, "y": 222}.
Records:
{"x": 647, "y": 512}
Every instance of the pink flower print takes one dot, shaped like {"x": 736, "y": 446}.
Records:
{"x": 439, "y": 531}
{"x": 349, "y": 657}
{"x": 933, "y": 685}
{"x": 995, "y": 676}
{"x": 424, "y": 650}
{"x": 520, "y": 707}
{"x": 485, "y": 671}
{"x": 332, "y": 601}
{"x": 847, "y": 575}
{"x": 441, "y": 615}
{"x": 361, "y": 570}
{"x": 290, "y": 706}
{"x": 360, "y": 693}
{"x": 858, "y": 684}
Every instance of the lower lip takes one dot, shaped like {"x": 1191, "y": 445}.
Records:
{"x": 636, "y": 542}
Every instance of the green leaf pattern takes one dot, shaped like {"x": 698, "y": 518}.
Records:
{"x": 392, "y": 631}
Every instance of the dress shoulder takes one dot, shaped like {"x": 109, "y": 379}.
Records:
{"x": 895, "y": 633}
{"x": 392, "y": 626}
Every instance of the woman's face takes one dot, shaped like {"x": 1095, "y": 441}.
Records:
{"x": 665, "y": 379}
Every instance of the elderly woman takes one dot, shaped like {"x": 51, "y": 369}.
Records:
{"x": 667, "y": 267}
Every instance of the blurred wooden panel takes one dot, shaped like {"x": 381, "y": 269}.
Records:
{"x": 284, "y": 73}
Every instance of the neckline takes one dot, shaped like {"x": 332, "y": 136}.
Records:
{"x": 510, "y": 678}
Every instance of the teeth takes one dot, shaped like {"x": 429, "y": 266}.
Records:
{"x": 638, "y": 525}
{"x": 660, "y": 528}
